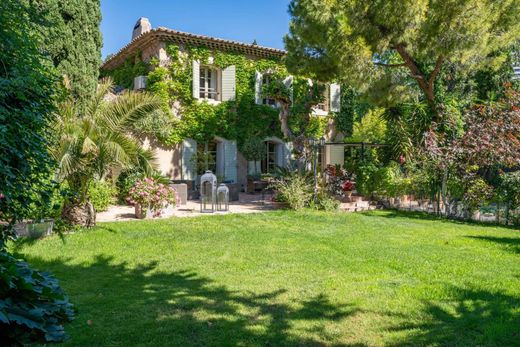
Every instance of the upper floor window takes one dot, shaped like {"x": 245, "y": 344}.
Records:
{"x": 324, "y": 105}
{"x": 208, "y": 83}
{"x": 266, "y": 79}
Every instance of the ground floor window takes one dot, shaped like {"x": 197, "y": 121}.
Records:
{"x": 207, "y": 157}
{"x": 269, "y": 161}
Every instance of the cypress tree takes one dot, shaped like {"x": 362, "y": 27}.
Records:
{"x": 73, "y": 41}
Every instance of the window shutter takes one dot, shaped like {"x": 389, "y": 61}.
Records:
{"x": 189, "y": 150}
{"x": 221, "y": 165}
{"x": 335, "y": 97}
{"x": 196, "y": 79}
{"x": 288, "y": 81}
{"x": 140, "y": 82}
{"x": 336, "y": 155}
{"x": 228, "y": 83}
{"x": 288, "y": 148}
{"x": 230, "y": 160}
{"x": 258, "y": 88}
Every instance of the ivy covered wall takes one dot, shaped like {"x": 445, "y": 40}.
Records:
{"x": 238, "y": 120}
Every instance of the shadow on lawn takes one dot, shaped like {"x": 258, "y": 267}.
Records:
{"x": 433, "y": 217}
{"x": 511, "y": 244}
{"x": 471, "y": 318}
{"x": 141, "y": 306}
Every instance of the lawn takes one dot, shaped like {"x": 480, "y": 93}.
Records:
{"x": 286, "y": 278}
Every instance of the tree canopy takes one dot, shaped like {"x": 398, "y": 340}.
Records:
{"x": 382, "y": 46}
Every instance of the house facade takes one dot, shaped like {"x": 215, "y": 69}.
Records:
{"x": 215, "y": 85}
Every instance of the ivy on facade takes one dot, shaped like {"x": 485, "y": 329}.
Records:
{"x": 236, "y": 120}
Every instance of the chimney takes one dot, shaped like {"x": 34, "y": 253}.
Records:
{"x": 142, "y": 26}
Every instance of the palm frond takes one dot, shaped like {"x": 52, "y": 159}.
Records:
{"x": 129, "y": 108}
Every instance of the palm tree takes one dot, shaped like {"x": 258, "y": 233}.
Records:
{"x": 96, "y": 140}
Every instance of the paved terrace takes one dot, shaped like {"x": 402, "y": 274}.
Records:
{"x": 247, "y": 203}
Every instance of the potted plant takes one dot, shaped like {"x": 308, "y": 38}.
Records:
{"x": 339, "y": 182}
{"x": 348, "y": 187}
{"x": 151, "y": 197}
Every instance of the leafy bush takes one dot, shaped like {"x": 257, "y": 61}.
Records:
{"x": 102, "y": 195}
{"x": 33, "y": 307}
{"x": 371, "y": 128}
{"x": 325, "y": 202}
{"x": 509, "y": 193}
{"x": 476, "y": 194}
{"x": 295, "y": 188}
{"x": 510, "y": 188}
{"x": 368, "y": 179}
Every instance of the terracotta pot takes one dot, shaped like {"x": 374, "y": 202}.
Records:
{"x": 141, "y": 212}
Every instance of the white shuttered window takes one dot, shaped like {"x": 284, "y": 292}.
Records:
{"x": 208, "y": 83}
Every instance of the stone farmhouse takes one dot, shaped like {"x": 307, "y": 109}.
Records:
{"x": 214, "y": 85}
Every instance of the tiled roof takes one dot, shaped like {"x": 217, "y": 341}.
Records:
{"x": 179, "y": 37}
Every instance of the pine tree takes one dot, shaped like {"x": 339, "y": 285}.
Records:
{"x": 394, "y": 48}
{"x": 73, "y": 40}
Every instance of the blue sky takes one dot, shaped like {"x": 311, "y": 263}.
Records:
{"x": 266, "y": 21}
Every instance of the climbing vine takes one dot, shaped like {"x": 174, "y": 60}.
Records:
{"x": 124, "y": 75}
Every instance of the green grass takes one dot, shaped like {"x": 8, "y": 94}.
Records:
{"x": 286, "y": 278}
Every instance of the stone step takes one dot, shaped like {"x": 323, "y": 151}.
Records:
{"x": 357, "y": 206}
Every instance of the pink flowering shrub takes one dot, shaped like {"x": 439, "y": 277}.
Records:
{"x": 152, "y": 195}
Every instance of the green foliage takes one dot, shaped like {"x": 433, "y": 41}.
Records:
{"x": 98, "y": 142}
{"x": 33, "y": 307}
{"x": 368, "y": 179}
{"x": 477, "y": 192}
{"x": 370, "y": 128}
{"x": 510, "y": 188}
{"x": 101, "y": 194}
{"x": 253, "y": 149}
{"x": 27, "y": 92}
{"x": 395, "y": 50}
{"x": 352, "y": 110}
{"x": 72, "y": 40}
{"x": 124, "y": 75}
{"x": 325, "y": 202}
{"x": 295, "y": 189}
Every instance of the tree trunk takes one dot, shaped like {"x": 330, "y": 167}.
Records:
{"x": 426, "y": 84}
{"x": 77, "y": 213}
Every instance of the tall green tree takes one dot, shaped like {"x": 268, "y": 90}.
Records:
{"x": 395, "y": 49}
{"x": 73, "y": 40}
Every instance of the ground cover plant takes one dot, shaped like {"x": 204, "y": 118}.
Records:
{"x": 289, "y": 278}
